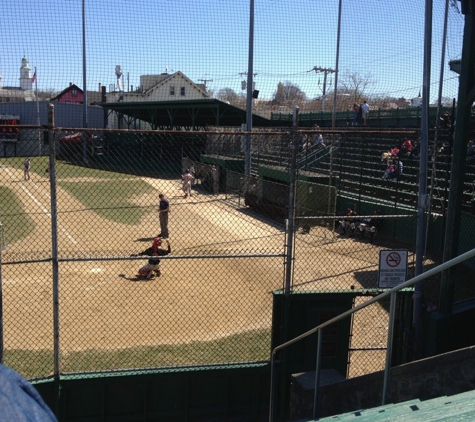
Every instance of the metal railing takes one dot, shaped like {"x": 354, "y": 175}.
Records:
{"x": 314, "y": 155}
{"x": 392, "y": 293}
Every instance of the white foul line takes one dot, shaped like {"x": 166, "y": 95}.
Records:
{"x": 73, "y": 241}
{"x": 49, "y": 214}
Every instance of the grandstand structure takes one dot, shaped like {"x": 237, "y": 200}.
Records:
{"x": 354, "y": 159}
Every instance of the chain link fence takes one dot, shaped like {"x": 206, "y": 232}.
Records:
{"x": 71, "y": 222}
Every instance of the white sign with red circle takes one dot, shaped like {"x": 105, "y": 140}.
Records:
{"x": 392, "y": 268}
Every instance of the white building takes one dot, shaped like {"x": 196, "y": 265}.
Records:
{"x": 24, "y": 92}
{"x": 163, "y": 87}
{"x": 26, "y": 84}
{"x": 417, "y": 101}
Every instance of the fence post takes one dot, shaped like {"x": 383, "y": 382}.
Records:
{"x": 290, "y": 224}
{"x": 389, "y": 349}
{"x": 318, "y": 364}
{"x": 1, "y": 292}
{"x": 54, "y": 250}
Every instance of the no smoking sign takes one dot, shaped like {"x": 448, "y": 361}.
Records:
{"x": 392, "y": 268}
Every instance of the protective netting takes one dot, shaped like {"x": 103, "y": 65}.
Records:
{"x": 213, "y": 301}
{"x": 379, "y": 46}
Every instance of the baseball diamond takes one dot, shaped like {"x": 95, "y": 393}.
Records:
{"x": 217, "y": 283}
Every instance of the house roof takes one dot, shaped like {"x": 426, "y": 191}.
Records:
{"x": 65, "y": 90}
{"x": 188, "y": 114}
{"x": 92, "y": 96}
{"x": 167, "y": 78}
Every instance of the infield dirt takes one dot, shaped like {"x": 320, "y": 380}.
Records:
{"x": 226, "y": 261}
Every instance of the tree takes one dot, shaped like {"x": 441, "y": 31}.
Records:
{"x": 227, "y": 95}
{"x": 288, "y": 94}
{"x": 355, "y": 85}
{"x": 48, "y": 93}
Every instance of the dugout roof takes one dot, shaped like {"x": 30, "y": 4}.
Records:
{"x": 193, "y": 114}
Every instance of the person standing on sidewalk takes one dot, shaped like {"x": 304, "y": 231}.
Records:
{"x": 163, "y": 211}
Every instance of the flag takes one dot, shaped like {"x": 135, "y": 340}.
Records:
{"x": 33, "y": 79}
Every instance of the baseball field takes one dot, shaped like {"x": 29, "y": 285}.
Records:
{"x": 212, "y": 304}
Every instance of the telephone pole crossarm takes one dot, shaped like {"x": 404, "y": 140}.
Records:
{"x": 205, "y": 81}
{"x": 325, "y": 72}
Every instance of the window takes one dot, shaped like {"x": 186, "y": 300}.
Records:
{"x": 182, "y": 91}
{"x": 172, "y": 90}
{"x": 74, "y": 92}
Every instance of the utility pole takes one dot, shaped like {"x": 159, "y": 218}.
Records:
{"x": 205, "y": 81}
{"x": 325, "y": 72}
{"x": 244, "y": 83}
{"x": 250, "y": 64}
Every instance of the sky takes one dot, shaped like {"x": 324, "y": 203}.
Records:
{"x": 209, "y": 40}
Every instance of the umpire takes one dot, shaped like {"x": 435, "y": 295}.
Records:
{"x": 163, "y": 211}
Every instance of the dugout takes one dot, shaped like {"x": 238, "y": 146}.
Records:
{"x": 396, "y": 229}
{"x": 269, "y": 193}
{"x": 224, "y": 164}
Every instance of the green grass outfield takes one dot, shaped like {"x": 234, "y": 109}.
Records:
{"x": 106, "y": 193}
{"x": 243, "y": 347}
{"x": 110, "y": 198}
{"x": 16, "y": 222}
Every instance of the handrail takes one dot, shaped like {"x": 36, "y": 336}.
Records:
{"x": 390, "y": 292}
{"x": 315, "y": 156}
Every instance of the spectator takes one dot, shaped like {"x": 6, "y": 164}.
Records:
{"x": 398, "y": 170}
{"x": 406, "y": 147}
{"x": 394, "y": 151}
{"x": 416, "y": 149}
{"x": 470, "y": 152}
{"x": 20, "y": 401}
{"x": 386, "y": 156}
{"x": 306, "y": 144}
{"x": 348, "y": 222}
{"x": 374, "y": 221}
{"x": 356, "y": 109}
{"x": 368, "y": 225}
{"x": 360, "y": 114}
{"x": 446, "y": 120}
{"x": 319, "y": 141}
{"x": 365, "y": 112}
{"x": 446, "y": 148}
{"x": 389, "y": 170}
{"x": 302, "y": 142}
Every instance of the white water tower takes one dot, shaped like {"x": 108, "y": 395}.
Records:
{"x": 120, "y": 83}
